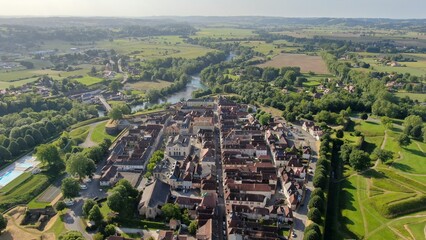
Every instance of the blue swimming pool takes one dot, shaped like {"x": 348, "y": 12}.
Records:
{"x": 8, "y": 176}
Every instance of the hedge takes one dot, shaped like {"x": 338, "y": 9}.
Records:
{"x": 405, "y": 207}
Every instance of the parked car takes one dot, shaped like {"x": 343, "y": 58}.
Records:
{"x": 69, "y": 202}
{"x": 83, "y": 186}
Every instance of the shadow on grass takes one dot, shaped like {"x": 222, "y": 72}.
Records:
{"x": 415, "y": 152}
{"x": 402, "y": 167}
{"x": 373, "y": 123}
{"x": 372, "y": 173}
{"x": 368, "y": 146}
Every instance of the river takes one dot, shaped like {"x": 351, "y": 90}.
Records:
{"x": 193, "y": 85}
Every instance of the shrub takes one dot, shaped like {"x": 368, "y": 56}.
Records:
{"x": 312, "y": 235}
{"x": 405, "y": 207}
{"x": 320, "y": 181}
{"x": 60, "y": 206}
{"x": 316, "y": 202}
{"x": 318, "y": 192}
{"x": 314, "y": 215}
{"x": 313, "y": 226}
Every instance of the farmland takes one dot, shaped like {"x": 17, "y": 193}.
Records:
{"x": 225, "y": 33}
{"x": 145, "y": 86}
{"x": 154, "y": 47}
{"x": 305, "y": 62}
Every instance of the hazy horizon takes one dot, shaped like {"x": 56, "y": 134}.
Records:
{"x": 392, "y": 9}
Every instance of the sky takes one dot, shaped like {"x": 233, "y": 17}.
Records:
{"x": 279, "y": 8}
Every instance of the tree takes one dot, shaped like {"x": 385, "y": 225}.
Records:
{"x": 359, "y": 160}
{"x": 192, "y": 228}
{"x": 403, "y": 140}
{"x": 114, "y": 86}
{"x": 4, "y": 154}
{"x": 87, "y": 206}
{"x": 383, "y": 155}
{"x": 115, "y": 114}
{"x": 410, "y": 123}
{"x": 60, "y": 206}
{"x": 115, "y": 202}
{"x": 13, "y": 148}
{"x": 316, "y": 202}
{"x": 171, "y": 211}
{"x": 38, "y": 137}
{"x": 71, "y": 235}
{"x": 29, "y": 141}
{"x": 416, "y": 132}
{"x": 314, "y": 215}
{"x": 318, "y": 192}
{"x": 109, "y": 230}
{"x": 264, "y": 119}
{"x": 98, "y": 236}
{"x": 70, "y": 188}
{"x": 50, "y": 128}
{"x": 319, "y": 181}
{"x": 48, "y": 154}
{"x": 339, "y": 133}
{"x": 95, "y": 215}
{"x": 313, "y": 227}
{"x": 387, "y": 122}
{"x": 93, "y": 71}
{"x": 3, "y": 223}
{"x": 311, "y": 235}
{"x": 80, "y": 165}
{"x": 345, "y": 152}
{"x": 21, "y": 143}
{"x": 364, "y": 116}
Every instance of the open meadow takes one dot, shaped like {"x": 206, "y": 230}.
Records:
{"x": 154, "y": 47}
{"x": 305, "y": 62}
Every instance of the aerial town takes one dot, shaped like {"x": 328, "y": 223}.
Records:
{"x": 234, "y": 176}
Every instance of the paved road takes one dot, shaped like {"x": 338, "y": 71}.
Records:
{"x": 88, "y": 141}
{"x": 74, "y": 217}
{"x": 300, "y": 214}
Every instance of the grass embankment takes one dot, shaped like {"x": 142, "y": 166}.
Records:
{"x": 23, "y": 189}
{"x": 372, "y": 205}
{"x": 99, "y": 134}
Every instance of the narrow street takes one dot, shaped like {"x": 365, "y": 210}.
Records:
{"x": 300, "y": 214}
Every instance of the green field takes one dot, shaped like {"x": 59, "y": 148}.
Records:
{"x": 99, "y": 133}
{"x": 371, "y": 203}
{"x": 23, "y": 190}
{"x": 20, "y": 77}
{"x": 154, "y": 47}
{"x": 414, "y": 68}
{"x": 225, "y": 33}
{"x": 421, "y": 97}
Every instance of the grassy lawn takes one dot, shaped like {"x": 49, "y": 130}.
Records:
{"x": 58, "y": 227}
{"x": 421, "y": 97}
{"x": 99, "y": 133}
{"x": 25, "y": 191}
{"x": 89, "y": 80}
{"x": 80, "y": 134}
{"x": 367, "y": 200}
{"x": 413, "y": 68}
{"x": 6, "y": 84}
{"x": 15, "y": 183}
{"x": 114, "y": 103}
